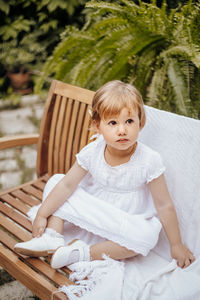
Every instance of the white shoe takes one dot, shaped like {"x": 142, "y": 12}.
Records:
{"x": 61, "y": 257}
{"x": 42, "y": 246}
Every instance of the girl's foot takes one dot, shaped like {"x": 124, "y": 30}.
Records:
{"x": 76, "y": 251}
{"x": 42, "y": 246}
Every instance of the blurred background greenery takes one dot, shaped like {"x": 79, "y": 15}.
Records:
{"x": 154, "y": 45}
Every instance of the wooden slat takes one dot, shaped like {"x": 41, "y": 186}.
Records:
{"x": 15, "y": 216}
{"x": 45, "y": 124}
{"x": 14, "y": 229}
{"x": 15, "y": 203}
{"x": 78, "y": 131}
{"x": 75, "y": 92}
{"x": 64, "y": 140}
{"x": 50, "y": 273}
{"x": 53, "y": 133}
{"x": 7, "y": 240}
{"x": 31, "y": 279}
{"x": 25, "y": 198}
{"x": 85, "y": 132}
{"x": 68, "y": 161}
{"x": 58, "y": 135}
{"x": 22, "y": 185}
{"x": 39, "y": 185}
{"x": 44, "y": 178}
{"x": 33, "y": 191}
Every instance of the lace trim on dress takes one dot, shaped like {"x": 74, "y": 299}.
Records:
{"x": 144, "y": 250}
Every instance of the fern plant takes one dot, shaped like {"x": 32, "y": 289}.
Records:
{"x": 154, "y": 48}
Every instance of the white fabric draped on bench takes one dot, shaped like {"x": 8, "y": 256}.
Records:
{"x": 157, "y": 277}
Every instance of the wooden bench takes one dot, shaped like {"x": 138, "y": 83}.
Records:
{"x": 63, "y": 132}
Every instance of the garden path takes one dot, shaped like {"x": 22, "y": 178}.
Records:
{"x": 18, "y": 166}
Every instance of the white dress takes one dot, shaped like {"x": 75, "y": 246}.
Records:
{"x": 112, "y": 203}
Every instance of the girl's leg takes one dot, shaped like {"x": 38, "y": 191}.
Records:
{"x": 111, "y": 249}
{"x": 56, "y": 224}
{"x": 79, "y": 251}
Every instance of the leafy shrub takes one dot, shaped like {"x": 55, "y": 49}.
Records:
{"x": 30, "y": 29}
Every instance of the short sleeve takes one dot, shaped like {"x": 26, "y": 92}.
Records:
{"x": 84, "y": 157}
{"x": 155, "y": 167}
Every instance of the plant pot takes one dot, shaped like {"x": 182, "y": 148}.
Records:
{"x": 21, "y": 82}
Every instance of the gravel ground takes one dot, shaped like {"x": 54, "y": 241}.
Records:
{"x": 14, "y": 290}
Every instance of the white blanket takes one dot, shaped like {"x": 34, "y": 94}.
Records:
{"x": 157, "y": 277}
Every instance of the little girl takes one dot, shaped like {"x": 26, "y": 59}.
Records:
{"x": 115, "y": 191}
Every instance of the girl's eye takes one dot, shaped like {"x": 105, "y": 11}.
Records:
{"x": 112, "y": 123}
{"x": 129, "y": 121}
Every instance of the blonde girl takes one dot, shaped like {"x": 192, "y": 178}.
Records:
{"x": 115, "y": 194}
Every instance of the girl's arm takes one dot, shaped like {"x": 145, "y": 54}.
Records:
{"x": 60, "y": 193}
{"x": 168, "y": 218}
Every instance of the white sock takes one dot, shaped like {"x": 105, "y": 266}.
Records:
{"x": 53, "y": 233}
{"x": 87, "y": 253}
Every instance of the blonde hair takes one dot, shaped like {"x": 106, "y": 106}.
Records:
{"x": 112, "y": 97}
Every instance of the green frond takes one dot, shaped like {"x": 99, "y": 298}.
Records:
{"x": 130, "y": 4}
{"x": 164, "y": 7}
{"x": 155, "y": 88}
{"x": 179, "y": 86}
{"x": 116, "y": 50}
{"x": 104, "y": 5}
{"x": 108, "y": 25}
{"x": 143, "y": 69}
{"x": 84, "y": 76}
{"x": 188, "y": 52}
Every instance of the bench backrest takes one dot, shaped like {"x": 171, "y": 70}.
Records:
{"x": 64, "y": 128}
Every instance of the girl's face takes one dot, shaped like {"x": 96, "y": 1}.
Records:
{"x": 120, "y": 132}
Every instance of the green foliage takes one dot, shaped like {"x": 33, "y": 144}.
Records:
{"x": 14, "y": 54}
{"x": 4, "y": 7}
{"x": 153, "y": 47}
{"x": 31, "y": 29}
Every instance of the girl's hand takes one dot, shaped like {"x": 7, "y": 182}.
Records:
{"x": 182, "y": 254}
{"x": 39, "y": 226}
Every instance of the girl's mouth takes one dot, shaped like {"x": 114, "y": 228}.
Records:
{"x": 122, "y": 140}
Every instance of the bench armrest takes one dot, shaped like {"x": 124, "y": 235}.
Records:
{"x": 18, "y": 140}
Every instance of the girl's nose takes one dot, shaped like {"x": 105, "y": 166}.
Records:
{"x": 121, "y": 129}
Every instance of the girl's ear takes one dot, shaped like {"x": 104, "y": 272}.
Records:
{"x": 141, "y": 125}
{"x": 95, "y": 126}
